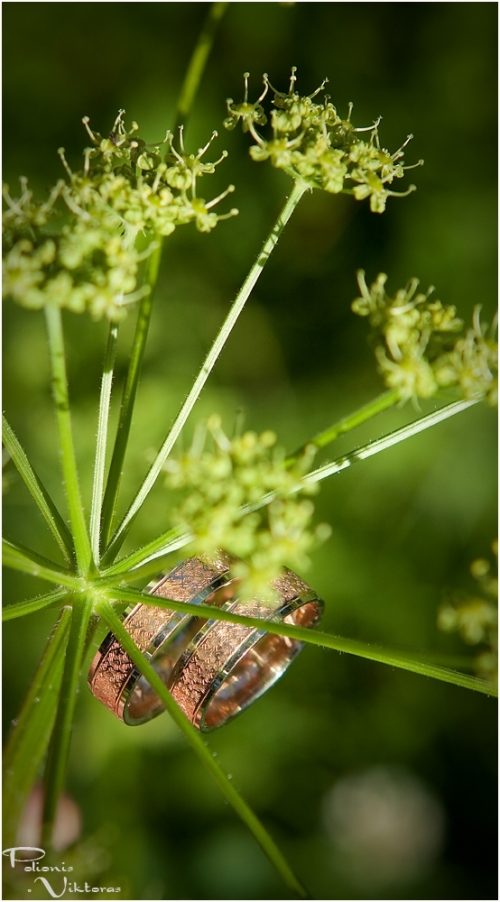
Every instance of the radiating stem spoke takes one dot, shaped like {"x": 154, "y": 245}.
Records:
{"x": 61, "y": 738}
{"x": 17, "y": 557}
{"x": 61, "y": 401}
{"x": 31, "y": 605}
{"x": 198, "y": 745}
{"x": 29, "y": 737}
{"x": 102, "y": 441}
{"x": 388, "y": 441}
{"x": 346, "y": 424}
{"x": 38, "y": 491}
{"x": 198, "y": 62}
{"x": 314, "y": 637}
{"x": 129, "y": 396}
{"x": 297, "y": 192}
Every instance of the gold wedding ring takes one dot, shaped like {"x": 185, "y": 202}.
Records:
{"x": 214, "y": 669}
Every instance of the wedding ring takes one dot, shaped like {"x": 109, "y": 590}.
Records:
{"x": 227, "y": 666}
{"x": 160, "y": 634}
{"x": 214, "y": 669}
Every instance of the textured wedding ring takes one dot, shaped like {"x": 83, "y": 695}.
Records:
{"x": 213, "y": 669}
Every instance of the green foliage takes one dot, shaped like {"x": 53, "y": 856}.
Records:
{"x": 401, "y": 526}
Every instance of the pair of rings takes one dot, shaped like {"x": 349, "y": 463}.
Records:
{"x": 212, "y": 668}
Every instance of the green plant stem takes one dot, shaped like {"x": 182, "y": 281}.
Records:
{"x": 198, "y": 745}
{"x": 154, "y": 549}
{"x": 198, "y": 62}
{"x": 314, "y": 637}
{"x": 30, "y": 734}
{"x": 388, "y": 441}
{"x": 346, "y": 424}
{"x": 270, "y": 243}
{"x": 38, "y": 491}
{"x": 151, "y": 568}
{"x": 128, "y": 397}
{"x": 21, "y": 608}
{"x": 17, "y": 557}
{"x": 102, "y": 441}
{"x": 184, "y": 105}
{"x": 61, "y": 400}
{"x": 61, "y": 737}
{"x": 142, "y": 562}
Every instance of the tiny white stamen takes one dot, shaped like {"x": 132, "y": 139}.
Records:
{"x": 181, "y": 139}
{"x": 317, "y": 91}
{"x": 369, "y": 128}
{"x": 54, "y": 194}
{"x": 92, "y": 137}
{"x": 61, "y": 153}
{"x": 73, "y": 206}
{"x": 216, "y": 200}
{"x": 87, "y": 153}
{"x": 203, "y": 150}
{"x": 118, "y": 123}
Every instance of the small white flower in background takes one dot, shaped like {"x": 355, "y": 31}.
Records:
{"x": 386, "y": 826}
{"x": 67, "y": 823}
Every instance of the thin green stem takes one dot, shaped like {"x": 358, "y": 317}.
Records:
{"x": 61, "y": 401}
{"x": 388, "y": 441}
{"x": 314, "y": 637}
{"x": 346, "y": 424}
{"x": 21, "y": 608}
{"x": 131, "y": 566}
{"x": 17, "y": 557}
{"x": 198, "y": 745}
{"x": 164, "y": 544}
{"x": 186, "y": 100}
{"x": 129, "y": 395}
{"x": 210, "y": 361}
{"x": 61, "y": 738}
{"x": 102, "y": 441}
{"x": 30, "y": 734}
{"x": 149, "y": 569}
{"x": 198, "y": 62}
{"x": 38, "y": 491}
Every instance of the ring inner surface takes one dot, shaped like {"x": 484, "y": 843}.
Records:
{"x": 257, "y": 669}
{"x": 144, "y": 703}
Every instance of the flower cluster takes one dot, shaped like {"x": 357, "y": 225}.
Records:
{"x": 410, "y": 330}
{"x": 124, "y": 192}
{"x": 314, "y": 145}
{"x": 226, "y": 490}
{"x": 476, "y": 617}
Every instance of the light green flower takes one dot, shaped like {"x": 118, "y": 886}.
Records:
{"x": 223, "y": 505}
{"x": 475, "y": 617}
{"x": 124, "y": 190}
{"x": 314, "y": 145}
{"x": 411, "y": 333}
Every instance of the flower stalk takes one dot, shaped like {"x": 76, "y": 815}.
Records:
{"x": 61, "y": 402}
{"x": 270, "y": 243}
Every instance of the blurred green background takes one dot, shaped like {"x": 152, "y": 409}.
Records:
{"x": 337, "y": 732}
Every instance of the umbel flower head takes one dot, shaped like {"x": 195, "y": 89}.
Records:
{"x": 125, "y": 190}
{"x": 410, "y": 330}
{"x": 475, "y": 617}
{"x": 314, "y": 145}
{"x": 225, "y": 489}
